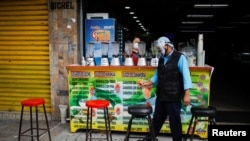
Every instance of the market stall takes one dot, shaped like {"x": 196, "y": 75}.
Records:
{"x": 118, "y": 84}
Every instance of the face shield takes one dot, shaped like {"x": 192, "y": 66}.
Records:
{"x": 161, "y": 46}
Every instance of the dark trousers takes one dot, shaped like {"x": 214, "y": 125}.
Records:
{"x": 172, "y": 110}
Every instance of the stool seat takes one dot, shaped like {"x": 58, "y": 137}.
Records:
{"x": 33, "y": 102}
{"x": 99, "y": 103}
{"x": 140, "y": 110}
{"x": 203, "y": 111}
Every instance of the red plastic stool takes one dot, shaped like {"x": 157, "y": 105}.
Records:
{"x": 100, "y": 104}
{"x": 33, "y": 102}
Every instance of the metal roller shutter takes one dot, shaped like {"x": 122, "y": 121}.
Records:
{"x": 24, "y": 53}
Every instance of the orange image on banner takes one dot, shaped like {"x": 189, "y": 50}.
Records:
{"x": 101, "y": 35}
{"x": 145, "y": 90}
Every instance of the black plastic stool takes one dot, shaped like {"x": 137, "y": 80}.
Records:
{"x": 201, "y": 111}
{"x": 140, "y": 111}
{"x": 33, "y": 102}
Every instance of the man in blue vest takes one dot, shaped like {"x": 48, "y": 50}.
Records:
{"x": 173, "y": 81}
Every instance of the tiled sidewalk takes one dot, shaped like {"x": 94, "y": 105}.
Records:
{"x": 60, "y": 132}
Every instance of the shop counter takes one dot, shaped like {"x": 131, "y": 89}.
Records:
{"x": 119, "y": 85}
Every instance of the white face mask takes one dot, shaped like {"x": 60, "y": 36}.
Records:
{"x": 161, "y": 46}
{"x": 162, "y": 50}
{"x": 136, "y": 45}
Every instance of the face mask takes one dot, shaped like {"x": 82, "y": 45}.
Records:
{"x": 162, "y": 50}
{"x": 136, "y": 45}
{"x": 161, "y": 46}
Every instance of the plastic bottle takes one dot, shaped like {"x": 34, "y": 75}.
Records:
{"x": 83, "y": 61}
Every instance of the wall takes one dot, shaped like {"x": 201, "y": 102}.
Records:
{"x": 63, "y": 47}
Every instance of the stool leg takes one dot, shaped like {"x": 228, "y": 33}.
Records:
{"x": 151, "y": 129}
{"x": 20, "y": 124}
{"x": 189, "y": 127}
{"x": 212, "y": 121}
{"x": 37, "y": 126}
{"x": 107, "y": 124}
{"x": 87, "y": 126}
{"x": 90, "y": 129}
{"x": 192, "y": 135}
{"x": 110, "y": 132}
{"x": 47, "y": 123}
{"x": 129, "y": 128}
{"x": 31, "y": 124}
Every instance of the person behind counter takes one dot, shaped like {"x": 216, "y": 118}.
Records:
{"x": 135, "y": 50}
{"x": 173, "y": 81}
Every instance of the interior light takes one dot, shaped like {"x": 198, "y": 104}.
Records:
{"x": 127, "y": 7}
{"x": 199, "y": 16}
{"x": 192, "y": 22}
{"x": 188, "y": 26}
{"x": 189, "y": 31}
{"x": 199, "y": 31}
{"x": 207, "y": 31}
{"x": 210, "y": 5}
{"x": 225, "y": 27}
{"x": 239, "y": 22}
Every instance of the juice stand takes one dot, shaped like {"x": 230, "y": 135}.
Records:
{"x": 118, "y": 84}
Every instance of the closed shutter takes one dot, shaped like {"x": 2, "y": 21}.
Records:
{"x": 24, "y": 53}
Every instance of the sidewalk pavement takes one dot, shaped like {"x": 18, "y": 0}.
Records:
{"x": 61, "y": 132}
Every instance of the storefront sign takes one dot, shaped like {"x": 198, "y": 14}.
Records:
{"x": 61, "y": 5}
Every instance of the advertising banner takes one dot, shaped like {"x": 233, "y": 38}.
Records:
{"x": 98, "y": 31}
{"x": 119, "y": 85}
